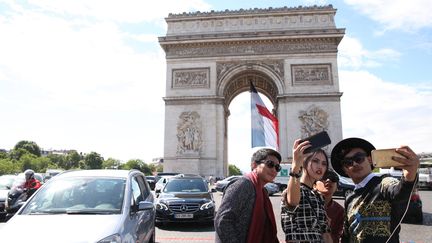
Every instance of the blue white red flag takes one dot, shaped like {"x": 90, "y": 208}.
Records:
{"x": 265, "y": 126}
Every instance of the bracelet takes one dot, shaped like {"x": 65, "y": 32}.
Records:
{"x": 296, "y": 175}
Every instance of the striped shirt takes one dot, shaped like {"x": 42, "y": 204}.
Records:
{"x": 307, "y": 221}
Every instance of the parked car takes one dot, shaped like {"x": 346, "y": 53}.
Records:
{"x": 151, "y": 181}
{"x": 414, "y": 215}
{"x": 220, "y": 185}
{"x": 185, "y": 199}
{"x": 6, "y": 182}
{"x": 87, "y": 206}
{"x": 345, "y": 187}
{"x": 49, "y": 173}
{"x": 160, "y": 184}
{"x": 272, "y": 188}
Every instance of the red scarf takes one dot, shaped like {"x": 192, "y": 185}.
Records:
{"x": 263, "y": 224}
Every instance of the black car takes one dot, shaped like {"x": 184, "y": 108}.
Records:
{"x": 185, "y": 199}
{"x": 220, "y": 185}
{"x": 151, "y": 181}
{"x": 345, "y": 187}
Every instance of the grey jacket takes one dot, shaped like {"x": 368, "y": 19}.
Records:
{"x": 235, "y": 212}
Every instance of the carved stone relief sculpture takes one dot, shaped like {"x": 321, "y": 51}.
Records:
{"x": 316, "y": 74}
{"x": 313, "y": 120}
{"x": 191, "y": 78}
{"x": 277, "y": 66}
{"x": 189, "y": 133}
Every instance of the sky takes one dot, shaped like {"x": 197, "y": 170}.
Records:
{"x": 89, "y": 75}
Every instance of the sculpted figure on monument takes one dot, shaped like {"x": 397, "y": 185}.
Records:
{"x": 188, "y": 133}
{"x": 313, "y": 120}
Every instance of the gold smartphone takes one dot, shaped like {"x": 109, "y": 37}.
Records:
{"x": 382, "y": 158}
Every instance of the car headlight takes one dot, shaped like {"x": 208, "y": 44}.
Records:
{"x": 161, "y": 206}
{"x": 207, "y": 205}
{"x": 111, "y": 239}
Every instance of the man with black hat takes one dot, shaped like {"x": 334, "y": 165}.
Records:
{"x": 372, "y": 212}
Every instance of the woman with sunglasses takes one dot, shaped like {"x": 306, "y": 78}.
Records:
{"x": 303, "y": 216}
{"x": 246, "y": 213}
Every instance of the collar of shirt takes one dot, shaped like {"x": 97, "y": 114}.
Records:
{"x": 364, "y": 181}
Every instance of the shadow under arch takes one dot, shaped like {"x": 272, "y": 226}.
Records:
{"x": 237, "y": 80}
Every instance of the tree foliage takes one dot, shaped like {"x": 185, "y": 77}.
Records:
{"x": 93, "y": 160}
{"x": 233, "y": 170}
{"x": 29, "y": 146}
{"x": 27, "y": 155}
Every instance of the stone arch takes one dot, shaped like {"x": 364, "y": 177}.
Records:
{"x": 237, "y": 80}
{"x": 290, "y": 54}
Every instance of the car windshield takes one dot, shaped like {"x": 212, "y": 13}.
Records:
{"x": 186, "y": 185}
{"x": 81, "y": 195}
{"x": 6, "y": 182}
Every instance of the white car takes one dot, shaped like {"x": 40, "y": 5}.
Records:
{"x": 87, "y": 206}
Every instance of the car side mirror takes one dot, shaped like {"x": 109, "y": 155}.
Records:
{"x": 144, "y": 205}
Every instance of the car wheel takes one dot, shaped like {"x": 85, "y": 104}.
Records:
{"x": 347, "y": 192}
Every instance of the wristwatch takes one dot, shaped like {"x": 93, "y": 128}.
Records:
{"x": 296, "y": 175}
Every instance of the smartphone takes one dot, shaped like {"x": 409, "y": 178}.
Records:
{"x": 317, "y": 141}
{"x": 382, "y": 158}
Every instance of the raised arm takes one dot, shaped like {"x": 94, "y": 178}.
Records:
{"x": 293, "y": 188}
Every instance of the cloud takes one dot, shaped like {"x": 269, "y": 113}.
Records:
{"x": 352, "y": 54}
{"x": 396, "y": 14}
{"x": 387, "y": 114}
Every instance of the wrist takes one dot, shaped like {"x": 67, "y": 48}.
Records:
{"x": 296, "y": 173}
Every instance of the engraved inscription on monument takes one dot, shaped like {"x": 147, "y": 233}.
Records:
{"x": 191, "y": 78}
{"x": 189, "y": 133}
{"x": 315, "y": 74}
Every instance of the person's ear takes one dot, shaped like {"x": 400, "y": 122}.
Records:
{"x": 253, "y": 165}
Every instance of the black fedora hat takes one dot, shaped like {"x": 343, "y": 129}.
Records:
{"x": 336, "y": 154}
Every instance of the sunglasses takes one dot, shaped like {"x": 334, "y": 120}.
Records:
{"x": 358, "y": 158}
{"x": 271, "y": 164}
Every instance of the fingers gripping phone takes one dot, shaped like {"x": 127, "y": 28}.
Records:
{"x": 382, "y": 158}
{"x": 317, "y": 141}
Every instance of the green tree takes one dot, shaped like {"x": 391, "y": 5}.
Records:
{"x": 137, "y": 164}
{"x": 7, "y": 166}
{"x": 16, "y": 154}
{"x": 233, "y": 170}
{"x": 30, "y": 146}
{"x": 111, "y": 163}
{"x": 93, "y": 160}
{"x": 72, "y": 160}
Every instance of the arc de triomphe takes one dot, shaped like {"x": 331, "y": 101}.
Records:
{"x": 290, "y": 54}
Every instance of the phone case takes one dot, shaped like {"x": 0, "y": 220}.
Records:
{"x": 382, "y": 158}
{"x": 317, "y": 141}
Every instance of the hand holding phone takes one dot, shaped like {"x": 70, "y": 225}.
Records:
{"x": 382, "y": 158}
{"x": 317, "y": 141}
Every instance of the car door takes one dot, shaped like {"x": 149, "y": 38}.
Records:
{"x": 143, "y": 219}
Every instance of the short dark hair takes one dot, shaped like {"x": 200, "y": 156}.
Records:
{"x": 262, "y": 154}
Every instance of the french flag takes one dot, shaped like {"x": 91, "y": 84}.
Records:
{"x": 265, "y": 126}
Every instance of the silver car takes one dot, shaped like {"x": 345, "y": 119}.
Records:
{"x": 87, "y": 206}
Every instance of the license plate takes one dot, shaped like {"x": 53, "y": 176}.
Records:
{"x": 183, "y": 216}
